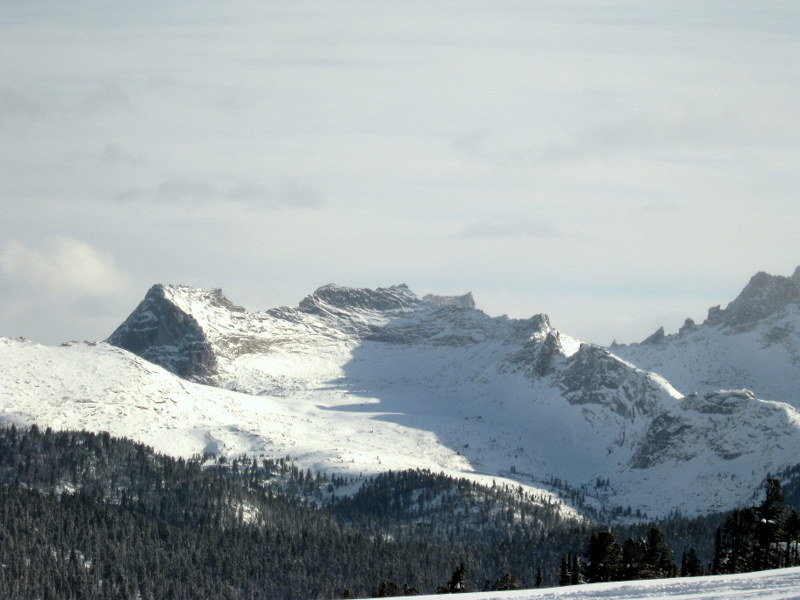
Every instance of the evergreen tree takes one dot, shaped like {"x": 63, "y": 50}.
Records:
{"x": 575, "y": 570}
{"x": 658, "y": 558}
{"x": 604, "y": 558}
{"x": 690, "y": 564}
{"x": 769, "y": 527}
{"x": 565, "y": 572}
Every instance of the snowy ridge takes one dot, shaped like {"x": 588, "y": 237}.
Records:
{"x": 362, "y": 381}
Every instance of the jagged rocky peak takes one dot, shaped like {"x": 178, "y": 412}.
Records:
{"x": 656, "y": 337}
{"x": 162, "y": 331}
{"x": 333, "y": 296}
{"x": 763, "y": 296}
{"x": 550, "y": 351}
{"x": 688, "y": 325}
{"x": 465, "y": 301}
{"x": 796, "y": 277}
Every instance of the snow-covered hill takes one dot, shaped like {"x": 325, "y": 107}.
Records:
{"x": 362, "y": 381}
{"x": 779, "y": 584}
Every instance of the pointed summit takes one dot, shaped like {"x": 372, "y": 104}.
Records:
{"x": 796, "y": 277}
{"x": 763, "y": 296}
{"x": 163, "y": 330}
{"x": 656, "y": 337}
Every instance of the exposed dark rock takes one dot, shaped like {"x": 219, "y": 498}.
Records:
{"x": 661, "y": 436}
{"x": 763, "y": 296}
{"x": 722, "y": 402}
{"x": 673, "y": 434}
{"x": 688, "y": 325}
{"x": 162, "y": 333}
{"x": 656, "y": 337}
{"x": 548, "y": 351}
{"x": 595, "y": 376}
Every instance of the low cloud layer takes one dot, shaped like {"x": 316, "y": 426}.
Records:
{"x": 62, "y": 266}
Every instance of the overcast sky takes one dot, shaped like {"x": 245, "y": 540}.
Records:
{"x": 617, "y": 167}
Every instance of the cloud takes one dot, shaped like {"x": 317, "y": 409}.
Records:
{"x": 102, "y": 99}
{"x": 15, "y": 104}
{"x": 62, "y": 266}
{"x": 286, "y": 193}
{"x": 113, "y": 154}
{"x": 507, "y": 229}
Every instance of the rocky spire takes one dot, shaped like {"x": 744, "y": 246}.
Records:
{"x": 160, "y": 331}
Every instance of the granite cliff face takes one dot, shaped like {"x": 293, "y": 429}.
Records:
{"x": 161, "y": 332}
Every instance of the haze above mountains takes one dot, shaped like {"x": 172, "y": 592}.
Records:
{"x": 361, "y": 381}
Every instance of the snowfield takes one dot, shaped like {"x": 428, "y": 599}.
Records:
{"x": 779, "y": 584}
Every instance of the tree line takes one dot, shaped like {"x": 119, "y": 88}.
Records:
{"x": 766, "y": 536}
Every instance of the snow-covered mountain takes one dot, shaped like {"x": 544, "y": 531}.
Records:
{"x": 361, "y": 381}
{"x": 754, "y": 343}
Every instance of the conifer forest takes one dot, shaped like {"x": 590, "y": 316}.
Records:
{"x": 89, "y": 516}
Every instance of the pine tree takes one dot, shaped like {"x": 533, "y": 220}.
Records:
{"x": 604, "y": 558}
{"x": 658, "y": 558}
{"x": 565, "y": 576}
{"x": 690, "y": 564}
{"x": 769, "y": 527}
{"x": 575, "y": 570}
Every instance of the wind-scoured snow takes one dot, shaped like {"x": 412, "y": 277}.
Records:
{"x": 363, "y": 381}
{"x": 778, "y": 584}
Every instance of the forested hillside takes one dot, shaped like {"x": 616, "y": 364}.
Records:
{"x": 86, "y": 515}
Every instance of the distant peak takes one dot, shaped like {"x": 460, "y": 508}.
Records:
{"x": 688, "y": 325}
{"x": 181, "y": 294}
{"x": 345, "y": 298}
{"x": 764, "y": 295}
{"x": 465, "y": 301}
{"x": 796, "y": 277}
{"x": 655, "y": 337}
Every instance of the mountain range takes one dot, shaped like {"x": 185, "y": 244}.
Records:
{"x": 360, "y": 381}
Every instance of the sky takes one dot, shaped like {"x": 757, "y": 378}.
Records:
{"x": 619, "y": 166}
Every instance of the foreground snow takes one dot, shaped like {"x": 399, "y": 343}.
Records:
{"x": 782, "y": 584}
